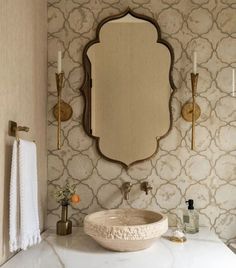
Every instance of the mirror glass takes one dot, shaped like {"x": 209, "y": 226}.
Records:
{"x": 130, "y": 89}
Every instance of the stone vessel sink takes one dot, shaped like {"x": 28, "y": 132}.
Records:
{"x": 125, "y": 229}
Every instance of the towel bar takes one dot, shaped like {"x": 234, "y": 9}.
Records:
{"x": 13, "y": 128}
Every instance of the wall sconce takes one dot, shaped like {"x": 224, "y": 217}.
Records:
{"x": 191, "y": 110}
{"x": 62, "y": 111}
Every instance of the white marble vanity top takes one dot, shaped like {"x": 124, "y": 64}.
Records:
{"x": 201, "y": 250}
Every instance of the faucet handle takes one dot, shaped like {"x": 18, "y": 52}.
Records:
{"x": 146, "y": 187}
{"x": 126, "y": 188}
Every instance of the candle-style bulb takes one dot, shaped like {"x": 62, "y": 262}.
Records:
{"x": 59, "y": 62}
{"x": 194, "y": 62}
{"x": 233, "y": 82}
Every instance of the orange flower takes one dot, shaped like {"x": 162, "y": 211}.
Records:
{"x": 75, "y": 198}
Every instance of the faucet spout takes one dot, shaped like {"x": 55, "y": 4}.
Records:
{"x": 146, "y": 187}
{"x": 126, "y": 188}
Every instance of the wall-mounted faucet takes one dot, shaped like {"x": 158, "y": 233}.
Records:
{"x": 146, "y": 187}
{"x": 126, "y": 188}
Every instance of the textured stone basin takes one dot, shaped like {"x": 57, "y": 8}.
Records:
{"x": 125, "y": 229}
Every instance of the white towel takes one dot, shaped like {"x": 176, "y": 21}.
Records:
{"x": 24, "y": 221}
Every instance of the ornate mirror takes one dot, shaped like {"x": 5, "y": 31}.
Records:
{"x": 128, "y": 87}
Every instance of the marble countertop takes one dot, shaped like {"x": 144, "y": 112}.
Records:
{"x": 78, "y": 250}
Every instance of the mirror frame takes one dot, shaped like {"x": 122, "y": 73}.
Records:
{"x": 87, "y": 81}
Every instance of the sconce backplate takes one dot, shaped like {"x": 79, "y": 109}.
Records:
{"x": 66, "y": 111}
{"x": 187, "y": 111}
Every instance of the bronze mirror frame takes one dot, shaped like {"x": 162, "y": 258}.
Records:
{"x": 87, "y": 82}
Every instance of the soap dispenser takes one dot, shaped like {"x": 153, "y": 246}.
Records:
{"x": 190, "y": 218}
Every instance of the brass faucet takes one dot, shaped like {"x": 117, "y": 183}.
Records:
{"x": 145, "y": 187}
{"x": 126, "y": 188}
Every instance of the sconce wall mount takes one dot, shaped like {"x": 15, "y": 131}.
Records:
{"x": 187, "y": 111}
{"x": 66, "y": 111}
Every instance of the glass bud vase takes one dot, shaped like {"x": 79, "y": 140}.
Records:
{"x": 64, "y": 226}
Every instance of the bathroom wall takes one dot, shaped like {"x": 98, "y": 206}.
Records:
{"x": 23, "y": 91}
{"x": 208, "y": 175}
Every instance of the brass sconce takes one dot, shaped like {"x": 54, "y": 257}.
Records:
{"x": 191, "y": 110}
{"x": 62, "y": 111}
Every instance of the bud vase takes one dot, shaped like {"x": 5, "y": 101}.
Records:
{"x": 64, "y": 226}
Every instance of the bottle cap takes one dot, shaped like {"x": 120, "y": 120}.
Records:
{"x": 190, "y": 203}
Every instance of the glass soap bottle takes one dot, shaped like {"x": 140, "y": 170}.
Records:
{"x": 190, "y": 218}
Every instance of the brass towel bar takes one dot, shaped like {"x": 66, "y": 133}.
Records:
{"x": 14, "y": 128}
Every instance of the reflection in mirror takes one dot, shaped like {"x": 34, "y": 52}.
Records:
{"x": 131, "y": 90}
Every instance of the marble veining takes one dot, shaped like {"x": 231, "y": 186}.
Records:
{"x": 80, "y": 251}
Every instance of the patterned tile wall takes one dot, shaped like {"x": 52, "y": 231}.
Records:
{"x": 175, "y": 172}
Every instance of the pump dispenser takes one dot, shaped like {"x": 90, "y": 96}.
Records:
{"x": 190, "y": 218}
